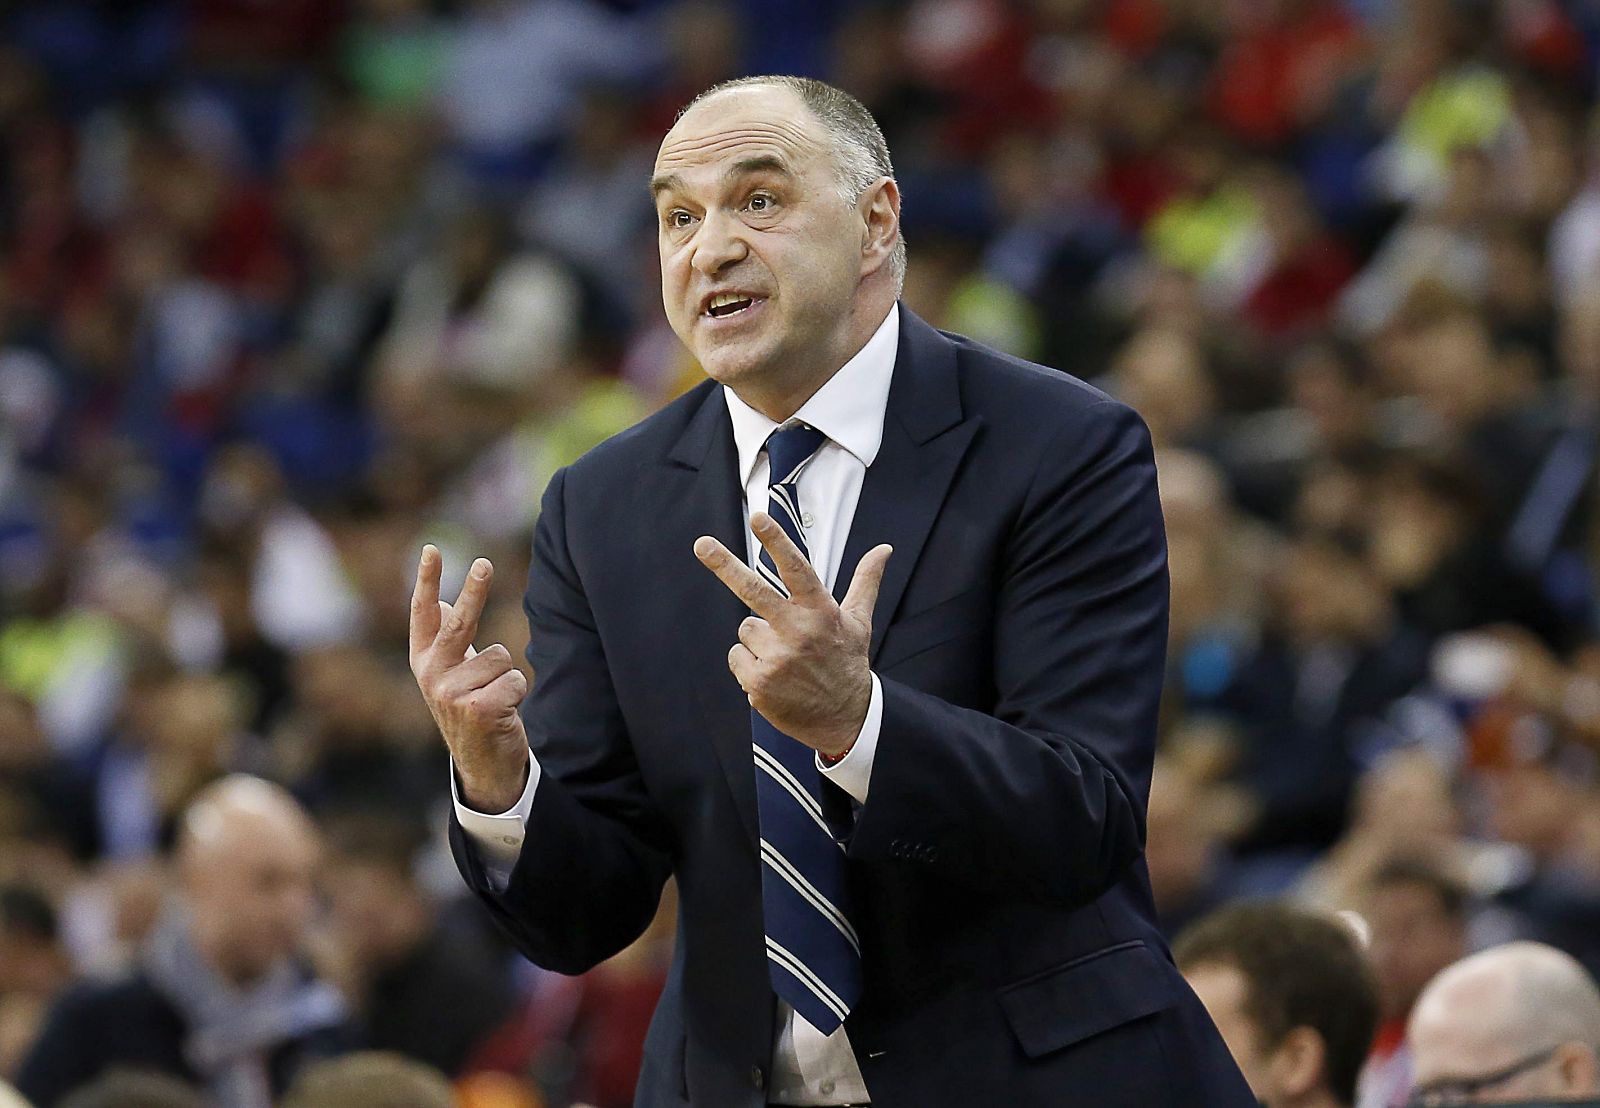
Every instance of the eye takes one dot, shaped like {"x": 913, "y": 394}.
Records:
{"x": 677, "y": 219}
{"x": 760, "y": 203}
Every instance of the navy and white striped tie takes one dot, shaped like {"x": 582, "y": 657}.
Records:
{"x": 813, "y": 953}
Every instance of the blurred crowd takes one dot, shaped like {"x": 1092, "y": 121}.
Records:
{"x": 289, "y": 288}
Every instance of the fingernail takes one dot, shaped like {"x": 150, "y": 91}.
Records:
{"x": 480, "y": 569}
{"x": 703, "y": 546}
{"x": 429, "y": 552}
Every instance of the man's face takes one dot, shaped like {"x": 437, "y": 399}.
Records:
{"x": 257, "y": 894}
{"x": 750, "y": 208}
{"x": 1462, "y": 1050}
{"x": 1413, "y": 938}
{"x": 1224, "y": 992}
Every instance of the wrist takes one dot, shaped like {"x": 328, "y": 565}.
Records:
{"x": 834, "y": 751}
{"x": 495, "y": 792}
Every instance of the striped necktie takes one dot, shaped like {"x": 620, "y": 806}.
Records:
{"x": 813, "y": 954}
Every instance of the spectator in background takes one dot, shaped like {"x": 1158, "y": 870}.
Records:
{"x": 420, "y": 990}
{"x": 369, "y": 1079}
{"x": 1418, "y": 921}
{"x": 479, "y": 319}
{"x": 1518, "y": 1022}
{"x": 1291, "y": 993}
{"x": 33, "y": 968}
{"x": 122, "y": 1088}
{"x": 222, "y": 995}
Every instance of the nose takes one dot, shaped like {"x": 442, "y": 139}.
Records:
{"x": 718, "y": 244}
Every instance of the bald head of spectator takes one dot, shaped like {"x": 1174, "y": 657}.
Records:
{"x": 1513, "y": 1023}
{"x": 370, "y": 1079}
{"x": 247, "y": 854}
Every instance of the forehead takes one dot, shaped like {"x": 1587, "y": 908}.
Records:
{"x": 739, "y": 124}
{"x": 1455, "y": 1033}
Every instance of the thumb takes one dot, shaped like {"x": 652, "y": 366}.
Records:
{"x": 862, "y": 597}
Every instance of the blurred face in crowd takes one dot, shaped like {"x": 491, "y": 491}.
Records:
{"x": 247, "y": 860}
{"x": 770, "y": 275}
{"x": 1280, "y": 1074}
{"x": 1413, "y": 938}
{"x": 378, "y": 914}
{"x": 1513, "y": 1023}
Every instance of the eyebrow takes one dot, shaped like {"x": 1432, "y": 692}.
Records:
{"x": 756, "y": 163}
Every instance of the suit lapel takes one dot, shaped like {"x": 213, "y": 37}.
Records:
{"x": 924, "y": 440}
{"x": 706, "y": 499}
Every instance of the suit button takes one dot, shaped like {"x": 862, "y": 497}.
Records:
{"x": 758, "y": 1077}
{"x": 826, "y": 1088}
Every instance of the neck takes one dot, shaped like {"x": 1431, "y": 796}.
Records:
{"x": 778, "y": 400}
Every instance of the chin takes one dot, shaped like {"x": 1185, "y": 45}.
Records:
{"x": 731, "y": 367}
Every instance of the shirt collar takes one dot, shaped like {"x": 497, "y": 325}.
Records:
{"x": 848, "y": 408}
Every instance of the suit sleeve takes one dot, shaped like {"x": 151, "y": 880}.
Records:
{"x": 596, "y": 852}
{"x": 1044, "y": 797}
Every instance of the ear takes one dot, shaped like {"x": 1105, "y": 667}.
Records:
{"x": 1299, "y": 1064}
{"x": 1578, "y": 1067}
{"x": 879, "y": 206}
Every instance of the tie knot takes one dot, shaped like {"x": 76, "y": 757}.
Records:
{"x": 788, "y": 448}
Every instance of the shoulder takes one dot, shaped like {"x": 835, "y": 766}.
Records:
{"x": 1032, "y": 418}
{"x": 1001, "y": 386}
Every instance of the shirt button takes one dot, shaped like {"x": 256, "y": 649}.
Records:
{"x": 806, "y": 520}
{"x": 509, "y": 840}
{"x": 826, "y": 1088}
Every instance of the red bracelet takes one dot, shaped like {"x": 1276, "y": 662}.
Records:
{"x": 831, "y": 760}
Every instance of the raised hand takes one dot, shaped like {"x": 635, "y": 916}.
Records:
{"x": 473, "y": 696}
{"x": 801, "y": 659}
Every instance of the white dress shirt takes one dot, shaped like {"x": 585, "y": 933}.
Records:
{"x": 808, "y": 1068}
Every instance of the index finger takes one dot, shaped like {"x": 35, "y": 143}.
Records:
{"x": 760, "y": 597}
{"x": 794, "y": 568}
{"x": 425, "y": 601}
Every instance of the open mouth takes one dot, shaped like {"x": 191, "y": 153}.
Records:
{"x": 727, "y": 304}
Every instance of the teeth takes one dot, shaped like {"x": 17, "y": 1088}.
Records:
{"x": 723, "y": 299}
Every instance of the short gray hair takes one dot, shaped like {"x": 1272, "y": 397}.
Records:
{"x": 858, "y": 142}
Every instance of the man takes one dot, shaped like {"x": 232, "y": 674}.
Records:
{"x": 903, "y": 792}
{"x": 421, "y": 991}
{"x": 1517, "y": 1022}
{"x": 220, "y": 997}
{"x": 1292, "y": 995}
{"x": 1418, "y": 918}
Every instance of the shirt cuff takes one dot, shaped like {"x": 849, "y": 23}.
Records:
{"x": 853, "y": 772}
{"x": 497, "y": 838}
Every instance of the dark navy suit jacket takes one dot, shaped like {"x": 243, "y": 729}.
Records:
{"x": 1008, "y": 937}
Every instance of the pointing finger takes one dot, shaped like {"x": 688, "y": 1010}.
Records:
{"x": 424, "y": 601}
{"x": 760, "y": 597}
{"x": 863, "y": 595}
{"x": 793, "y": 567}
